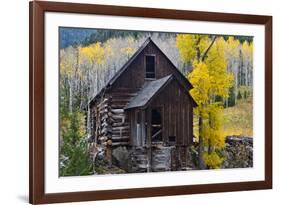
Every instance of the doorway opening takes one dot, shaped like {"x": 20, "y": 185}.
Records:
{"x": 156, "y": 125}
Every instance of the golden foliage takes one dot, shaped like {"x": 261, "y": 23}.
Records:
{"x": 212, "y": 130}
{"x": 94, "y": 53}
{"x": 190, "y": 44}
{"x": 210, "y": 79}
{"x": 231, "y": 49}
{"x": 220, "y": 79}
{"x": 68, "y": 62}
{"x": 200, "y": 79}
{"x": 247, "y": 49}
{"x": 213, "y": 160}
{"x": 128, "y": 50}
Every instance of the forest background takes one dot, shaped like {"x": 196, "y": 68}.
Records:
{"x": 219, "y": 67}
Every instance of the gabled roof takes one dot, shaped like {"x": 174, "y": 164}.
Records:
{"x": 149, "y": 90}
{"x": 126, "y": 65}
{"x": 132, "y": 58}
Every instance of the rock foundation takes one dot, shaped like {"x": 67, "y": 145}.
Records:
{"x": 238, "y": 152}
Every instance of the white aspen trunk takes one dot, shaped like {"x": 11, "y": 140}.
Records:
{"x": 246, "y": 74}
{"x": 81, "y": 92}
{"x": 236, "y": 87}
{"x": 88, "y": 121}
{"x": 88, "y": 105}
{"x": 70, "y": 96}
{"x": 97, "y": 81}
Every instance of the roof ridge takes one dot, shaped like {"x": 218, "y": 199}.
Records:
{"x": 131, "y": 59}
{"x": 128, "y": 62}
{"x": 123, "y": 67}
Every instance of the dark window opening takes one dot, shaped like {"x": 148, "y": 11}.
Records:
{"x": 138, "y": 117}
{"x": 156, "y": 125}
{"x": 150, "y": 66}
{"x": 172, "y": 140}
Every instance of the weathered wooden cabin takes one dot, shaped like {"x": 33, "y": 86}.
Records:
{"x": 146, "y": 108}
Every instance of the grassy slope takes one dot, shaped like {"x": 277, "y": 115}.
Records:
{"x": 238, "y": 120}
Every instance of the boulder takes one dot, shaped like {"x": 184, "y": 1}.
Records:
{"x": 120, "y": 157}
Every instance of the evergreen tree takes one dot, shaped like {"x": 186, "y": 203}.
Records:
{"x": 74, "y": 156}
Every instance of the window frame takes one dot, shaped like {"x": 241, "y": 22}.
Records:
{"x": 147, "y": 78}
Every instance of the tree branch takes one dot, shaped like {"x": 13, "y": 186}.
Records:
{"x": 197, "y": 48}
{"x": 207, "y": 50}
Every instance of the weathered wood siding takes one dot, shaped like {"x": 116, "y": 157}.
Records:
{"x": 134, "y": 76}
{"x": 138, "y": 132}
{"x": 177, "y": 116}
{"x": 177, "y": 105}
{"x": 111, "y": 125}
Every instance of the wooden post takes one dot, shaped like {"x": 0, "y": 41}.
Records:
{"x": 149, "y": 148}
{"x": 143, "y": 131}
{"x": 109, "y": 152}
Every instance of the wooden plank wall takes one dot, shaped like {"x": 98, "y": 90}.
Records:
{"x": 134, "y": 76}
{"x": 177, "y": 119}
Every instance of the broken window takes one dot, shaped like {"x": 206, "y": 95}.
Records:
{"x": 150, "y": 66}
{"x": 156, "y": 125}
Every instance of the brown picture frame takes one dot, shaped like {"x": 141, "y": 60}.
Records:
{"x": 37, "y": 10}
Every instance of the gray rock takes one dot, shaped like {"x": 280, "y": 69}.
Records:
{"x": 238, "y": 152}
{"x": 120, "y": 157}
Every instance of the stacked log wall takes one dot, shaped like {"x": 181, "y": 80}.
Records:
{"x": 121, "y": 127}
{"x": 103, "y": 123}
